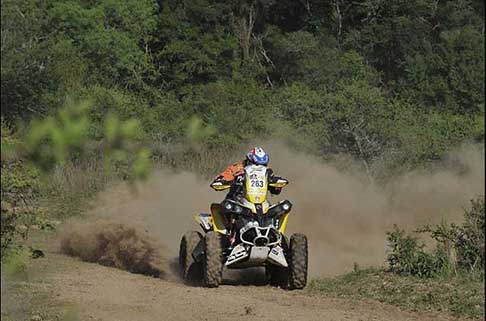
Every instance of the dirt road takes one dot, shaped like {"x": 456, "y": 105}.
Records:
{"x": 103, "y": 293}
{"x": 163, "y": 207}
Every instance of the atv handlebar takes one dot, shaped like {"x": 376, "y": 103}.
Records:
{"x": 221, "y": 185}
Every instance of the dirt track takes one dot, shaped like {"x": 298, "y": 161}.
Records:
{"x": 103, "y": 293}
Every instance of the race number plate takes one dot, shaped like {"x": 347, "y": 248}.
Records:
{"x": 256, "y": 183}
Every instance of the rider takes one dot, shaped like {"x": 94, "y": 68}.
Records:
{"x": 236, "y": 171}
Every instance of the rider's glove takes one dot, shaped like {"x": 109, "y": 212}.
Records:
{"x": 239, "y": 179}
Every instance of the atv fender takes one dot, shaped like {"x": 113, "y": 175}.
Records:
{"x": 198, "y": 252}
{"x": 218, "y": 219}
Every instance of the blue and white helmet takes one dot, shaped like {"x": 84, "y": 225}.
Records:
{"x": 257, "y": 156}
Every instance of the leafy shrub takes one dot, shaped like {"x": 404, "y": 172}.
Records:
{"x": 19, "y": 187}
{"x": 408, "y": 257}
{"x": 470, "y": 238}
{"x": 467, "y": 240}
{"x": 55, "y": 140}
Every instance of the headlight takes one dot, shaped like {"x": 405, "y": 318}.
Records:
{"x": 286, "y": 206}
{"x": 228, "y": 206}
{"x": 238, "y": 209}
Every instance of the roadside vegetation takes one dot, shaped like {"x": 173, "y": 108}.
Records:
{"x": 449, "y": 277}
{"x": 94, "y": 92}
{"x": 395, "y": 85}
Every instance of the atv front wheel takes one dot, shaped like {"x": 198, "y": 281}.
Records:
{"x": 213, "y": 260}
{"x": 277, "y": 276}
{"x": 191, "y": 271}
{"x": 297, "y": 261}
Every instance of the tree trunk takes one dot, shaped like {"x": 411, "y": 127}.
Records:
{"x": 243, "y": 27}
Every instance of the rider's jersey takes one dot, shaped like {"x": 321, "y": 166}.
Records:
{"x": 231, "y": 172}
{"x": 238, "y": 169}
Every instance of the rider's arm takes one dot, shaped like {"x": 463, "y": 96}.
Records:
{"x": 227, "y": 176}
{"x": 274, "y": 190}
{"x": 273, "y": 178}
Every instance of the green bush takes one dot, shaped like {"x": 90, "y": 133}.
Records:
{"x": 19, "y": 188}
{"x": 470, "y": 237}
{"x": 466, "y": 240}
{"x": 408, "y": 256}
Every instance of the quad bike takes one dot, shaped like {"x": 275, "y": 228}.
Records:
{"x": 245, "y": 232}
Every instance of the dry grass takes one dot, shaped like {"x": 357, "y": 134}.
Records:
{"x": 461, "y": 296}
{"x": 69, "y": 188}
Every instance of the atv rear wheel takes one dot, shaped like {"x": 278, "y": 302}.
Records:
{"x": 297, "y": 261}
{"x": 213, "y": 260}
{"x": 191, "y": 271}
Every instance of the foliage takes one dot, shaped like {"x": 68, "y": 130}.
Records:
{"x": 51, "y": 140}
{"x": 19, "y": 189}
{"x": 408, "y": 257}
{"x": 395, "y": 84}
{"x": 238, "y": 110}
{"x": 196, "y": 132}
{"x": 470, "y": 237}
{"x": 466, "y": 240}
{"x": 54, "y": 140}
{"x": 23, "y": 75}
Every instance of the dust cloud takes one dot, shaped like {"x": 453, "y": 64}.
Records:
{"x": 344, "y": 216}
{"x": 117, "y": 245}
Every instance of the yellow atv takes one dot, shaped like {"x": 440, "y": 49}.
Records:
{"x": 246, "y": 232}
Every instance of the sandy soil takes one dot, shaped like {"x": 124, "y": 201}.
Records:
{"x": 109, "y": 294}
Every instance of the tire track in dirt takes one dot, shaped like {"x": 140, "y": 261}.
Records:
{"x": 107, "y": 294}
